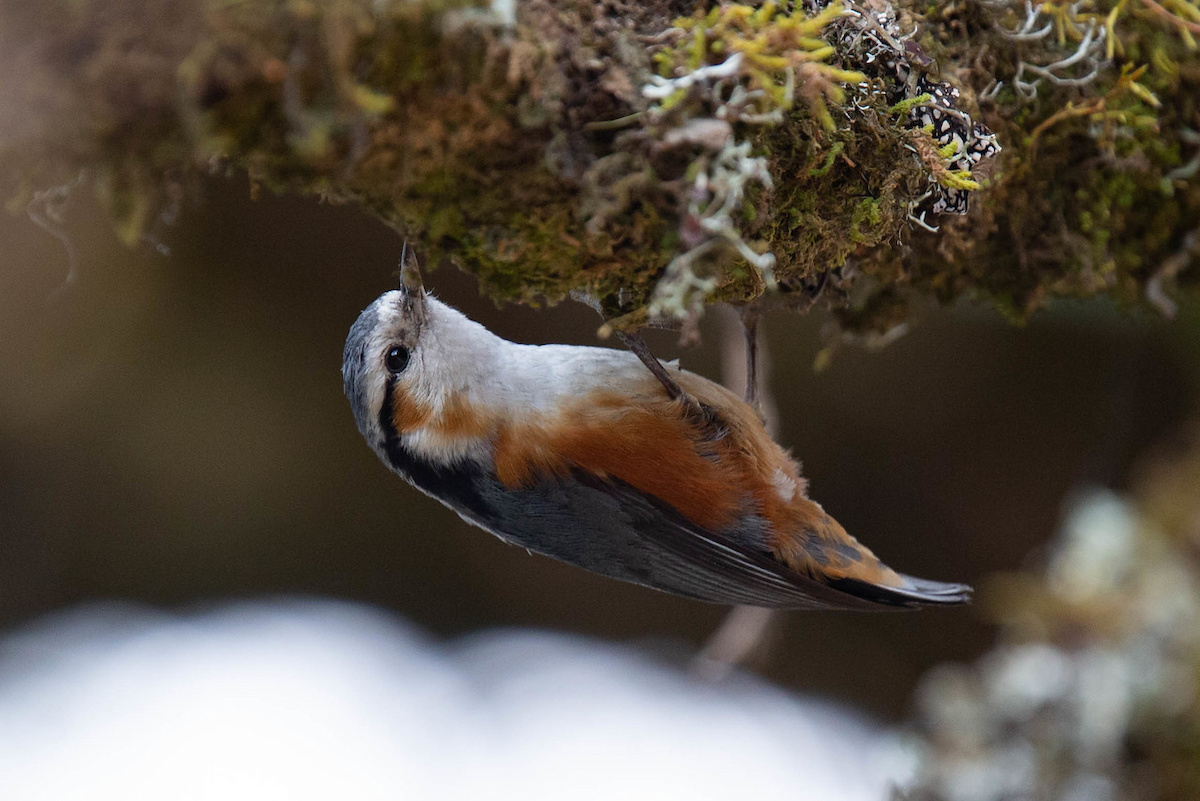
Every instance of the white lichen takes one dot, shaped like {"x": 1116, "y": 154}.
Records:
{"x": 1108, "y": 644}
{"x": 1079, "y": 68}
{"x": 723, "y": 173}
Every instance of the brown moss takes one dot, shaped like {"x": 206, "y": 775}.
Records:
{"x": 1081, "y": 202}
{"x": 523, "y": 155}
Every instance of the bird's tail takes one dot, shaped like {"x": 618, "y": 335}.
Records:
{"x": 909, "y": 593}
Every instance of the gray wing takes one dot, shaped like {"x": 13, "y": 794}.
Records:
{"x": 612, "y": 528}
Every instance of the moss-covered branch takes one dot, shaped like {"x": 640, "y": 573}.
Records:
{"x": 654, "y": 155}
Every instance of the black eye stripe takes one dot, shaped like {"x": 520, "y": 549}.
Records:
{"x": 396, "y": 359}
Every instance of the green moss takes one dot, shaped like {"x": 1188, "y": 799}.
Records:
{"x": 865, "y": 219}
{"x": 827, "y": 164}
{"x": 1076, "y": 204}
{"x": 829, "y": 208}
{"x": 774, "y": 44}
{"x": 531, "y": 158}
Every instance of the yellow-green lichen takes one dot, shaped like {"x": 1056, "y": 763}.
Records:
{"x": 590, "y": 144}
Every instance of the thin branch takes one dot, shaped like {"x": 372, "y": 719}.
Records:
{"x": 745, "y": 630}
{"x": 1172, "y": 18}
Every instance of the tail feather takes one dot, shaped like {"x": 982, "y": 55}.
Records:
{"x": 913, "y": 592}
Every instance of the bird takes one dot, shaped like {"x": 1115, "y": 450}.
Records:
{"x": 581, "y": 454}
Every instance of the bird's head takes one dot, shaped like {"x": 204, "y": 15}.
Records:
{"x": 383, "y": 347}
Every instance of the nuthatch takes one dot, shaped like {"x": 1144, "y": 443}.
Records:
{"x": 581, "y": 454}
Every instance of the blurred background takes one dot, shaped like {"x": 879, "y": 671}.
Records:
{"x": 173, "y": 433}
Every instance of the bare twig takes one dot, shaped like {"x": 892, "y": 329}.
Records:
{"x": 745, "y": 629}
{"x": 740, "y": 634}
{"x": 1172, "y": 18}
{"x": 1174, "y": 264}
{"x": 751, "y": 315}
{"x": 46, "y": 210}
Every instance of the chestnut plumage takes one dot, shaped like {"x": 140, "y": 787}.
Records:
{"x": 579, "y": 453}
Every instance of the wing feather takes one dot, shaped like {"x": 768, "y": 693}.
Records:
{"x": 610, "y": 527}
{"x": 714, "y": 567}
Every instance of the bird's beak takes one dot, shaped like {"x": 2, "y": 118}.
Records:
{"x": 412, "y": 291}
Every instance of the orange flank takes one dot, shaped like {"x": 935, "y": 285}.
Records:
{"x": 407, "y": 413}
{"x": 458, "y": 419}
{"x": 635, "y": 433}
{"x": 461, "y": 420}
{"x": 819, "y": 546}
{"x": 647, "y": 444}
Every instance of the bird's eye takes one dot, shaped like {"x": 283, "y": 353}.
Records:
{"x": 396, "y": 360}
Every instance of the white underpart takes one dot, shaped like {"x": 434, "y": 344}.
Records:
{"x": 459, "y": 358}
{"x": 785, "y": 486}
